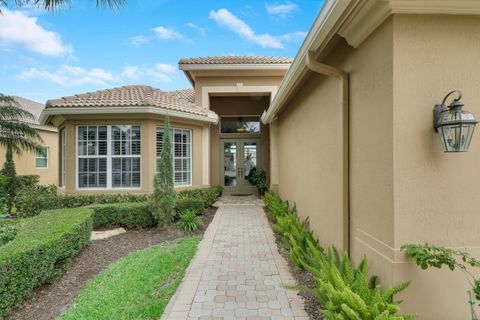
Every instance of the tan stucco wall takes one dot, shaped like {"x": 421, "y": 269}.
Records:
{"x": 148, "y": 152}
{"x": 234, "y": 81}
{"x": 253, "y": 105}
{"x": 437, "y": 195}
{"x": 25, "y": 163}
{"x": 403, "y": 188}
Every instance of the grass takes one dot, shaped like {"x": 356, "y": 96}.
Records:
{"x": 138, "y": 286}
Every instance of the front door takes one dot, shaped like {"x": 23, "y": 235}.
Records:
{"x": 239, "y": 158}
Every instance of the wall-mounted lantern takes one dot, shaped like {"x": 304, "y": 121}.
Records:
{"x": 454, "y": 125}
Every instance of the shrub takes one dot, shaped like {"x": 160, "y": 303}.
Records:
{"x": 43, "y": 247}
{"x": 28, "y": 180}
{"x": 209, "y": 195}
{"x": 345, "y": 292}
{"x": 11, "y": 185}
{"x": 31, "y": 200}
{"x": 195, "y": 204}
{"x": 8, "y": 230}
{"x": 259, "y": 178}
{"x": 128, "y": 215}
{"x": 189, "y": 221}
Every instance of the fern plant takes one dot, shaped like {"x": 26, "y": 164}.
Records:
{"x": 189, "y": 221}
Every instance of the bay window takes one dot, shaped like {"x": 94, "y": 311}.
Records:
{"x": 108, "y": 156}
{"x": 182, "y": 154}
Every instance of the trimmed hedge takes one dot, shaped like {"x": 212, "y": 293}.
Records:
{"x": 194, "y": 204}
{"x": 8, "y": 230}
{"x": 209, "y": 195}
{"x": 31, "y": 200}
{"x": 128, "y": 215}
{"x": 43, "y": 247}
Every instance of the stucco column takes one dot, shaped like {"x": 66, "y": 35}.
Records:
{"x": 206, "y": 155}
{"x": 274, "y": 156}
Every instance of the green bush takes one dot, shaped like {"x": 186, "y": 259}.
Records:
{"x": 28, "y": 180}
{"x": 128, "y": 215}
{"x": 31, "y": 200}
{"x": 189, "y": 221}
{"x": 195, "y": 204}
{"x": 43, "y": 247}
{"x": 209, "y": 195}
{"x": 8, "y": 230}
{"x": 345, "y": 292}
{"x": 258, "y": 177}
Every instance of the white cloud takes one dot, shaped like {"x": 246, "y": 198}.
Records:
{"x": 139, "y": 40}
{"x": 18, "y": 28}
{"x": 281, "y": 9}
{"x": 69, "y": 76}
{"x": 167, "y": 34}
{"x": 294, "y": 36}
{"x": 194, "y": 26}
{"x": 226, "y": 19}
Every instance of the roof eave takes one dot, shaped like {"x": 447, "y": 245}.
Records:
{"x": 364, "y": 16}
{"x": 48, "y": 113}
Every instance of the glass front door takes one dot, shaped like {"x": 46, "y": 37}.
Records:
{"x": 239, "y": 159}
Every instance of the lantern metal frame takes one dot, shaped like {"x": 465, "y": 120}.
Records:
{"x": 454, "y": 106}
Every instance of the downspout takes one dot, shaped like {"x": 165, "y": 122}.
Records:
{"x": 330, "y": 71}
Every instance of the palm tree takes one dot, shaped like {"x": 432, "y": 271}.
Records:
{"x": 16, "y": 135}
{"x": 15, "y": 132}
{"x": 52, "y": 5}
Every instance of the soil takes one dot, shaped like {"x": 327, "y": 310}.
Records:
{"x": 304, "y": 279}
{"x": 50, "y": 300}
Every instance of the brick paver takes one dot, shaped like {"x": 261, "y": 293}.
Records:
{"x": 237, "y": 273}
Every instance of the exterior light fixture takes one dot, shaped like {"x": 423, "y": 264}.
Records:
{"x": 454, "y": 125}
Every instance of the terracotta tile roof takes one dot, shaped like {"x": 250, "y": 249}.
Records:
{"x": 131, "y": 96}
{"x": 35, "y": 108}
{"x": 236, "y": 60}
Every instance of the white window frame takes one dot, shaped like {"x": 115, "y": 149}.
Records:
{"x": 108, "y": 156}
{"x": 240, "y": 133}
{"x": 46, "y": 157}
{"x": 173, "y": 155}
{"x": 63, "y": 157}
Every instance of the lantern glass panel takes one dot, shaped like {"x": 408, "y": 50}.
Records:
{"x": 456, "y": 130}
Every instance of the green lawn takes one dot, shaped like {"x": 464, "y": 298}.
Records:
{"x": 138, "y": 286}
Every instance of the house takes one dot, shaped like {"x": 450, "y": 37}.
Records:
{"x": 346, "y": 133}
{"x": 353, "y": 142}
{"x": 112, "y": 137}
{"x": 45, "y": 163}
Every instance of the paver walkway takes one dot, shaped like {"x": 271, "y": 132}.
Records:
{"x": 237, "y": 273}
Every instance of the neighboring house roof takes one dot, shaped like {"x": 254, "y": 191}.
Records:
{"x": 178, "y": 103}
{"x": 236, "y": 60}
{"x": 35, "y": 108}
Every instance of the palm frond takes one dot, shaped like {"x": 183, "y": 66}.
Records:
{"x": 54, "y": 5}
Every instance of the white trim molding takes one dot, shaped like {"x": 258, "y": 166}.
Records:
{"x": 49, "y": 112}
{"x": 373, "y": 13}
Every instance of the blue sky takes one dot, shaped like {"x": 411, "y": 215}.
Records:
{"x": 84, "y": 48}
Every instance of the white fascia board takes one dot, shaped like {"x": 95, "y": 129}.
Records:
{"x": 320, "y": 32}
{"x": 47, "y": 113}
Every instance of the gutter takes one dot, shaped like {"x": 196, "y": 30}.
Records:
{"x": 48, "y": 113}
{"x": 343, "y": 99}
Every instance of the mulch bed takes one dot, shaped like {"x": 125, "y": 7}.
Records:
{"x": 304, "y": 279}
{"x": 49, "y": 301}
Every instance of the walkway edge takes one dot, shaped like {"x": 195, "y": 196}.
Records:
{"x": 179, "y": 305}
{"x": 286, "y": 276}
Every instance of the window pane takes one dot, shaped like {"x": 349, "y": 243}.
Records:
{"x": 240, "y": 125}
{"x": 41, "y": 162}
